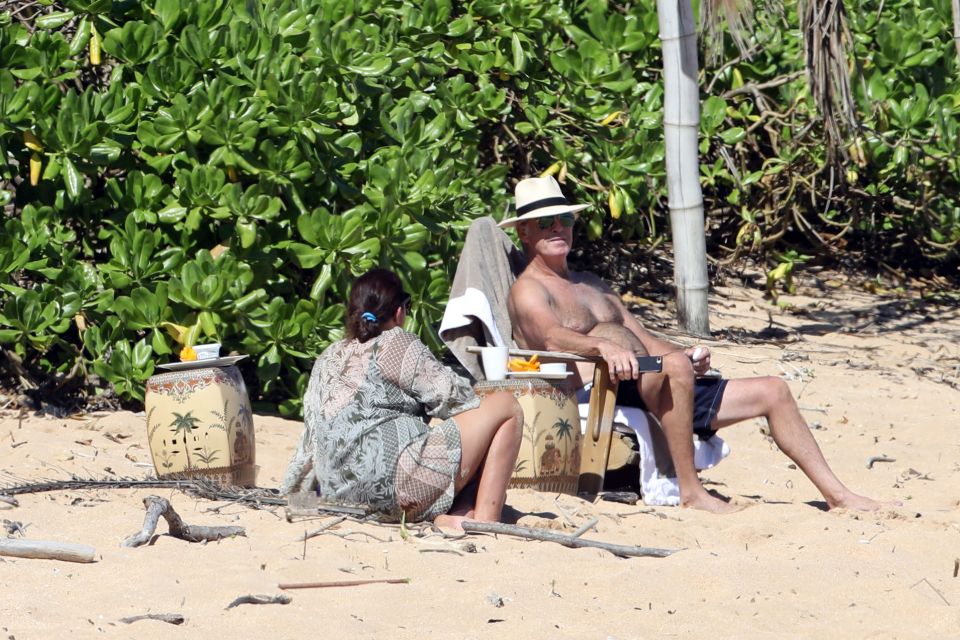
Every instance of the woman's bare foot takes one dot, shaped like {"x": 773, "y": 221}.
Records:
{"x": 449, "y": 522}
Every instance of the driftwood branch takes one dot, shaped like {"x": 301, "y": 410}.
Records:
{"x": 157, "y": 507}
{"x": 47, "y": 550}
{"x": 281, "y": 599}
{"x": 341, "y": 583}
{"x": 172, "y": 618}
{"x": 566, "y": 540}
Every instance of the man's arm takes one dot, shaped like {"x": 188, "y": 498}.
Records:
{"x": 699, "y": 356}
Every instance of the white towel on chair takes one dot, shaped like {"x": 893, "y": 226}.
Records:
{"x": 659, "y": 490}
{"x": 464, "y": 309}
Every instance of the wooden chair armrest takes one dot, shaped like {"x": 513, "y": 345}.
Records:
{"x": 648, "y": 364}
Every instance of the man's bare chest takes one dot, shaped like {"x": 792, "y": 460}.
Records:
{"x": 581, "y": 306}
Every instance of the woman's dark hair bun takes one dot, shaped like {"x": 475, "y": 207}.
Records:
{"x": 374, "y": 298}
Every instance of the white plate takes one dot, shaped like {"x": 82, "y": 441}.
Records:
{"x": 539, "y": 374}
{"x": 186, "y": 365}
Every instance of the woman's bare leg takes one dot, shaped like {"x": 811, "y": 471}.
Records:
{"x": 490, "y": 441}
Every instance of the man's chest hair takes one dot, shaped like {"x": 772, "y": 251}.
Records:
{"x": 582, "y": 305}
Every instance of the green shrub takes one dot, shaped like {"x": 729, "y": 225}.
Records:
{"x": 234, "y": 164}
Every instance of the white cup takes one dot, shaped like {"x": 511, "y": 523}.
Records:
{"x": 494, "y": 362}
{"x": 554, "y": 368}
{"x": 207, "y": 351}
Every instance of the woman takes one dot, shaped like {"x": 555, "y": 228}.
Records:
{"x": 366, "y": 440}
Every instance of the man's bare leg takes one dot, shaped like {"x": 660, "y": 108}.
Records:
{"x": 669, "y": 396}
{"x": 771, "y": 398}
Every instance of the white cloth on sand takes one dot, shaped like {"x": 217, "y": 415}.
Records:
{"x": 657, "y": 489}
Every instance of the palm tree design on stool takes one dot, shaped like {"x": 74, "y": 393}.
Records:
{"x": 565, "y": 433}
{"x": 184, "y": 425}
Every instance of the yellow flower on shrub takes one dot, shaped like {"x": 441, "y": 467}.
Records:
{"x": 187, "y": 353}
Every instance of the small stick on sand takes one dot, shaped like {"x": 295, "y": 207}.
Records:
{"x": 47, "y": 550}
{"x": 935, "y": 590}
{"x": 172, "y": 618}
{"x": 327, "y": 525}
{"x": 567, "y": 541}
{"x": 281, "y": 599}
{"x": 586, "y": 527}
{"x": 157, "y": 507}
{"x": 9, "y": 500}
{"x": 341, "y": 583}
{"x": 873, "y": 459}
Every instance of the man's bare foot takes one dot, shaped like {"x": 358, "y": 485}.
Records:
{"x": 860, "y": 503}
{"x": 707, "y": 502}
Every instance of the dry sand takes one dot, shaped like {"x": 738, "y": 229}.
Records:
{"x": 875, "y": 376}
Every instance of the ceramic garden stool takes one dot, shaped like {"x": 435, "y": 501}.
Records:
{"x": 200, "y": 425}
{"x": 549, "y": 458}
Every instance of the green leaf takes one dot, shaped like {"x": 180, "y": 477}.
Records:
{"x": 519, "y": 60}
{"x": 733, "y": 135}
{"x": 53, "y": 20}
{"x": 373, "y": 66}
{"x": 72, "y": 178}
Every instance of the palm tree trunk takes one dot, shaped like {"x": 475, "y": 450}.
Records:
{"x": 681, "y": 126}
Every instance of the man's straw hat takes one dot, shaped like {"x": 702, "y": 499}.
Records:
{"x": 540, "y": 197}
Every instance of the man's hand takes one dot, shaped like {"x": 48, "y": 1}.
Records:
{"x": 700, "y": 357}
{"x": 622, "y": 362}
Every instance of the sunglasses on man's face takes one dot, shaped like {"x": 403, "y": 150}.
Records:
{"x": 566, "y": 220}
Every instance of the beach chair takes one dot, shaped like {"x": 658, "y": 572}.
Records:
{"x": 477, "y": 316}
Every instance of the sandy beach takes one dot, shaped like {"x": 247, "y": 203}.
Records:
{"x": 877, "y": 378}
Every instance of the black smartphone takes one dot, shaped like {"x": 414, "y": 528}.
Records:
{"x": 650, "y": 364}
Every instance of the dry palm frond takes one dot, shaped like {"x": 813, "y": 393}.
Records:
{"x": 739, "y": 17}
{"x": 197, "y": 487}
{"x": 826, "y": 42}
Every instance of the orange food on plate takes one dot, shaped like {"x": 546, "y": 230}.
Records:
{"x": 520, "y": 364}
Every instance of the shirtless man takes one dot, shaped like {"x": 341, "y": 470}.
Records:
{"x": 555, "y": 309}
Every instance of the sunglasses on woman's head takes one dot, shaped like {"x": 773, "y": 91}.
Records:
{"x": 566, "y": 220}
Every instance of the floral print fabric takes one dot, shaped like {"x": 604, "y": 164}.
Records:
{"x": 367, "y": 403}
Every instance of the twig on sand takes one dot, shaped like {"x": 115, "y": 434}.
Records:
{"x": 440, "y": 550}
{"x": 341, "y": 583}
{"x": 566, "y": 514}
{"x": 935, "y": 590}
{"x": 281, "y": 599}
{"x": 9, "y": 500}
{"x": 172, "y": 618}
{"x": 874, "y": 459}
{"x": 157, "y": 507}
{"x": 566, "y": 540}
{"x": 590, "y": 524}
{"x": 47, "y": 550}
{"x": 327, "y": 525}
{"x": 346, "y": 535}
